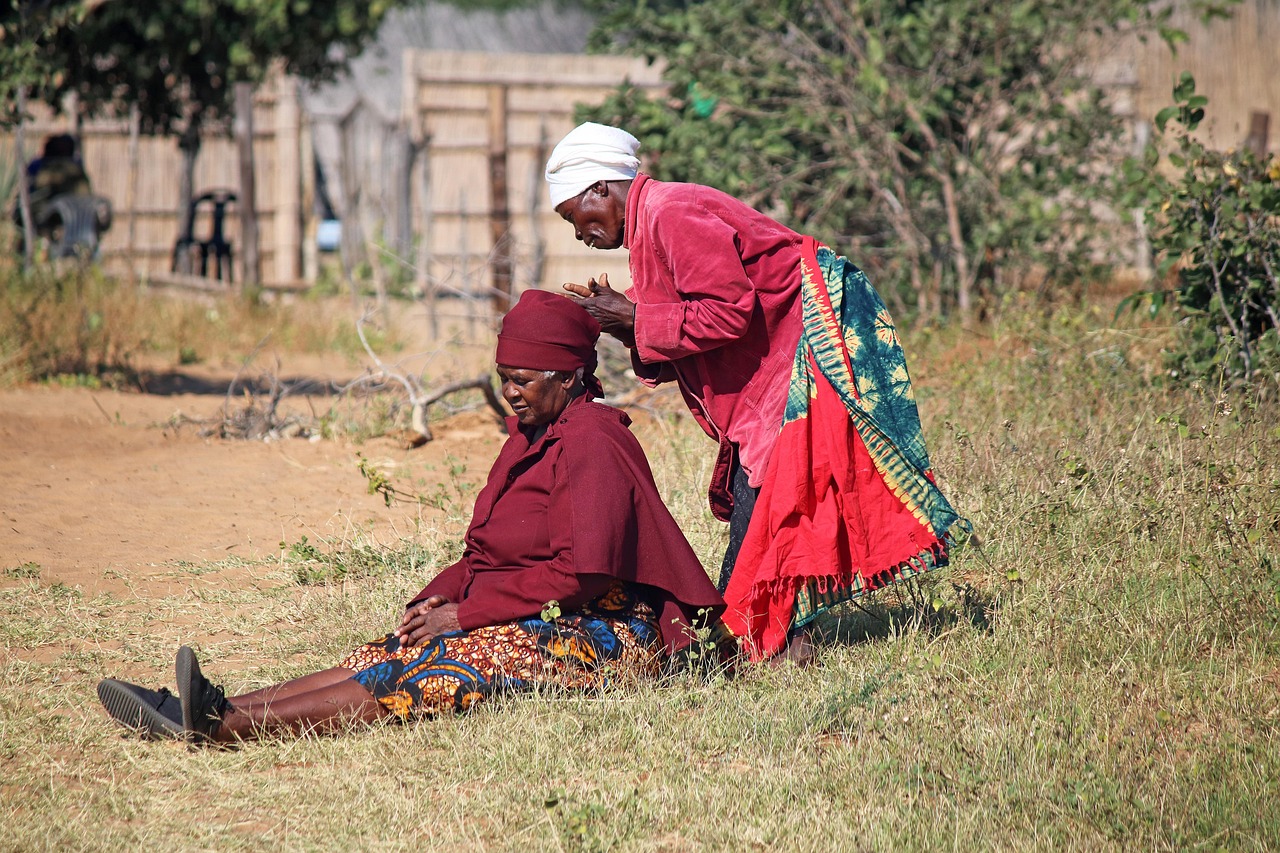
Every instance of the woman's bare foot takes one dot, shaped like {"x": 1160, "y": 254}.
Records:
{"x": 799, "y": 651}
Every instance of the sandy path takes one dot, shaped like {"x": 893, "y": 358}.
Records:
{"x": 93, "y": 485}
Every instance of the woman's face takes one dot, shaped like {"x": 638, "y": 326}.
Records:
{"x": 597, "y": 214}
{"x": 535, "y": 397}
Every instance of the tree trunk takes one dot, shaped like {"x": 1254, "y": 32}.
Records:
{"x": 352, "y": 247}
{"x": 959, "y": 256}
{"x": 251, "y": 276}
{"x": 131, "y": 195}
{"x": 499, "y": 209}
{"x": 425, "y": 282}
{"x": 189, "y": 145}
{"x": 24, "y": 190}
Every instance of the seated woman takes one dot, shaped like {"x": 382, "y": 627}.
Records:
{"x": 569, "y": 516}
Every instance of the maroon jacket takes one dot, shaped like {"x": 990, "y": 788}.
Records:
{"x": 717, "y": 292}
{"x": 562, "y": 518}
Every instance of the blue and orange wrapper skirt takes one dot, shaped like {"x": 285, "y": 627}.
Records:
{"x": 614, "y": 639}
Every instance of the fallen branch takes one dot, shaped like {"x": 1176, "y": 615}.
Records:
{"x": 420, "y": 433}
{"x": 419, "y": 417}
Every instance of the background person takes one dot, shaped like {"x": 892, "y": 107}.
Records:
{"x": 787, "y": 357}
{"x": 570, "y": 515}
{"x": 57, "y": 171}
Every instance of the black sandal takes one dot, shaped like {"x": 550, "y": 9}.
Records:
{"x": 153, "y": 714}
{"x": 204, "y": 703}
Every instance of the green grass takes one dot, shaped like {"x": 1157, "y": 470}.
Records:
{"x": 1102, "y": 672}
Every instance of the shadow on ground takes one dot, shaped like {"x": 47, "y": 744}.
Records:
{"x": 175, "y": 382}
{"x": 894, "y": 611}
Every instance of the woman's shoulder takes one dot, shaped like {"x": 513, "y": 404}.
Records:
{"x": 673, "y": 208}
{"x": 597, "y": 437}
{"x": 596, "y": 428}
{"x": 591, "y": 416}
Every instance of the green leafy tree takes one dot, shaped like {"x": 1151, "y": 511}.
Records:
{"x": 1214, "y": 224}
{"x": 25, "y": 28}
{"x": 176, "y": 62}
{"x": 954, "y": 147}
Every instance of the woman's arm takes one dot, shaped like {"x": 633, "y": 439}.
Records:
{"x": 446, "y": 585}
{"x": 717, "y": 299}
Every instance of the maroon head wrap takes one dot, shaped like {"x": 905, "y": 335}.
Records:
{"x": 544, "y": 331}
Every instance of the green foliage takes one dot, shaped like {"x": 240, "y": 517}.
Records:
{"x": 176, "y": 61}
{"x": 25, "y": 30}
{"x": 1214, "y": 220}
{"x": 25, "y": 570}
{"x": 952, "y": 148}
{"x": 313, "y": 565}
{"x": 379, "y": 482}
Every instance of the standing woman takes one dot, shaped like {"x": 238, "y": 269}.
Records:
{"x": 569, "y": 516}
{"x": 788, "y": 359}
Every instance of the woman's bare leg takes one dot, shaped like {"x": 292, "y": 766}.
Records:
{"x": 327, "y": 708}
{"x": 293, "y": 687}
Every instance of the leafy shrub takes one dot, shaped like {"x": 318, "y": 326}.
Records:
{"x": 1215, "y": 223}
{"x": 953, "y": 149}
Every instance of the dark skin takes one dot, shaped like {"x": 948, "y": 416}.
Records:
{"x": 329, "y": 700}
{"x": 598, "y": 218}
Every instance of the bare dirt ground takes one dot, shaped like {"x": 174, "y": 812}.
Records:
{"x": 97, "y": 486}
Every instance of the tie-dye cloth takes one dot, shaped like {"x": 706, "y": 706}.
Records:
{"x": 848, "y": 503}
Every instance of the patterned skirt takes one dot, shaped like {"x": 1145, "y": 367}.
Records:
{"x": 613, "y": 639}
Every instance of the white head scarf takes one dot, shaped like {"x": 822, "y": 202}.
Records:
{"x": 590, "y": 152}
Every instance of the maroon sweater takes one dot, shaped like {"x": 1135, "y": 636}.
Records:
{"x": 562, "y": 518}
{"x": 717, "y": 292}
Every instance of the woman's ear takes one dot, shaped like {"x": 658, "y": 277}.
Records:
{"x": 600, "y": 188}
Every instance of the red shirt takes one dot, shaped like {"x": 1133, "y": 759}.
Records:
{"x": 562, "y": 517}
{"x": 717, "y": 292}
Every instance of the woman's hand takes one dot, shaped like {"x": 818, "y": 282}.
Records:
{"x": 427, "y": 620}
{"x": 615, "y": 313}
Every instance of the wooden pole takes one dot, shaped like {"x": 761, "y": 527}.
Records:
{"x": 405, "y": 151}
{"x": 499, "y": 210}
{"x": 307, "y": 170}
{"x": 243, "y": 128}
{"x": 537, "y": 193}
{"x": 287, "y": 218}
{"x": 24, "y": 191}
{"x": 352, "y": 244}
{"x": 72, "y": 108}
{"x": 1142, "y": 244}
{"x": 425, "y": 281}
{"x": 413, "y": 117}
{"x": 1259, "y": 131}
{"x": 131, "y": 190}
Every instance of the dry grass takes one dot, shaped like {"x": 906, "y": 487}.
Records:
{"x": 72, "y": 322}
{"x": 1103, "y": 674}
